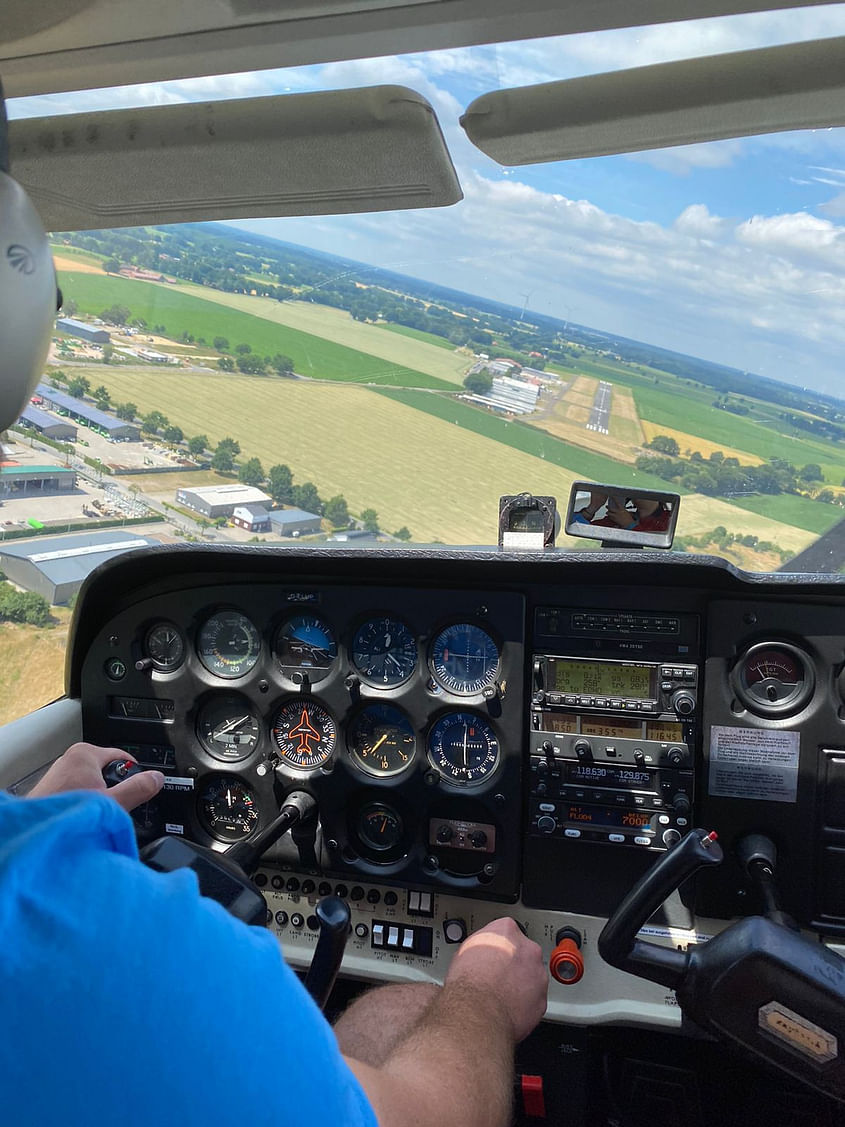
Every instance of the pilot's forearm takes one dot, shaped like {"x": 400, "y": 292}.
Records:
{"x": 454, "y": 1066}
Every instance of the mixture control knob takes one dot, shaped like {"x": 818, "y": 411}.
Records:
{"x": 671, "y": 837}
{"x": 683, "y": 703}
{"x": 478, "y": 839}
{"x": 454, "y": 931}
{"x": 444, "y": 834}
{"x": 566, "y": 964}
{"x": 583, "y": 749}
{"x": 678, "y": 756}
{"x": 546, "y": 824}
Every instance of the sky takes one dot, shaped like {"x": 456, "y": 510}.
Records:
{"x": 733, "y": 251}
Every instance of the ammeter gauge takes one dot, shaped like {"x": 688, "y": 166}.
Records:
{"x": 773, "y": 679}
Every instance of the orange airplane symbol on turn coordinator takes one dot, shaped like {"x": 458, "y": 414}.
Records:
{"x": 306, "y": 731}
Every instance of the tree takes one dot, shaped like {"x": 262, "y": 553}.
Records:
{"x": 226, "y": 364}
{"x": 153, "y": 422}
{"x": 811, "y": 472}
{"x": 251, "y": 472}
{"x": 243, "y": 349}
{"x": 404, "y": 533}
{"x": 306, "y": 497}
{"x": 102, "y": 397}
{"x": 116, "y": 315}
{"x": 108, "y": 353}
{"x": 664, "y": 445}
{"x": 23, "y": 606}
{"x": 112, "y": 266}
{"x": 173, "y": 434}
{"x": 222, "y": 460}
{"x": 282, "y": 365}
{"x": 826, "y": 496}
{"x": 221, "y": 344}
{"x": 70, "y": 308}
{"x": 127, "y": 411}
{"x": 280, "y": 484}
{"x": 230, "y": 444}
{"x": 479, "y": 383}
{"x": 78, "y": 387}
{"x": 337, "y": 512}
{"x": 369, "y": 519}
{"x": 251, "y": 365}
{"x": 198, "y": 444}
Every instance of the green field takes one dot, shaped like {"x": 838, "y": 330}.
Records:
{"x": 417, "y": 334}
{"x": 800, "y": 512}
{"x": 528, "y": 439}
{"x": 312, "y": 355}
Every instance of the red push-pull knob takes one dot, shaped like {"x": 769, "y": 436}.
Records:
{"x": 566, "y": 964}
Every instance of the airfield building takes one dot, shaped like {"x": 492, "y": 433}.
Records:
{"x": 294, "y": 522}
{"x": 108, "y": 425}
{"x": 55, "y": 567}
{"x": 220, "y": 500}
{"x": 48, "y": 425}
{"x": 15, "y": 480}
{"x": 79, "y": 329}
{"x": 254, "y": 518}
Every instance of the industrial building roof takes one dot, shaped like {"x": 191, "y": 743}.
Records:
{"x": 40, "y": 418}
{"x": 83, "y": 410}
{"x": 228, "y": 494}
{"x": 65, "y": 559}
{"x": 35, "y": 471}
{"x": 292, "y": 516}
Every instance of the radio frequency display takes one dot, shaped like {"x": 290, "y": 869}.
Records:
{"x": 599, "y": 816}
{"x": 602, "y": 678}
{"x": 610, "y": 776}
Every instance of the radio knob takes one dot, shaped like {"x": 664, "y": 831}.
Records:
{"x": 546, "y": 824}
{"x": 677, "y": 756}
{"x": 478, "y": 839}
{"x": 683, "y": 703}
{"x": 539, "y": 697}
{"x": 444, "y": 834}
{"x": 583, "y": 749}
{"x": 671, "y": 837}
{"x": 681, "y": 805}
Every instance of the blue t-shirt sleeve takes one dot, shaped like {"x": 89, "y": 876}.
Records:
{"x": 135, "y": 1001}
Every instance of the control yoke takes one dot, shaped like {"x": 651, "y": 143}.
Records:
{"x": 759, "y": 984}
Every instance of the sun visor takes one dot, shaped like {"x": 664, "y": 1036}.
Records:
{"x": 799, "y": 86}
{"x": 374, "y": 149}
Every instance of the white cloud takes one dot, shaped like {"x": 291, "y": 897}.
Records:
{"x": 682, "y": 159}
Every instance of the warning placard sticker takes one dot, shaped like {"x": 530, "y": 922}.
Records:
{"x": 757, "y": 763}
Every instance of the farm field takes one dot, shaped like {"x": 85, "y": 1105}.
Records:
{"x": 800, "y": 511}
{"x": 32, "y": 671}
{"x": 416, "y": 334}
{"x": 690, "y": 442}
{"x": 181, "y": 312}
{"x": 339, "y": 327}
{"x": 702, "y": 514}
{"x": 346, "y": 439}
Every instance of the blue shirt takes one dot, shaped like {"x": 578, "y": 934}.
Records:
{"x": 128, "y": 1000}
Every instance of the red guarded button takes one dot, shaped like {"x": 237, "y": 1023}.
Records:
{"x": 533, "y": 1101}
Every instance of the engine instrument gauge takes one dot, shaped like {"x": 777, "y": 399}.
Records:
{"x": 228, "y": 644}
{"x": 305, "y": 733}
{"x": 305, "y": 644}
{"x": 384, "y": 652}
{"x": 464, "y": 659}
{"x": 165, "y": 647}
{"x": 227, "y": 728}
{"x": 228, "y": 808}
{"x": 463, "y": 747}
{"x": 773, "y": 679}
{"x": 381, "y": 740}
{"x": 380, "y": 829}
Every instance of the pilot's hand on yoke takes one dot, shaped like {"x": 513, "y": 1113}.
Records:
{"x": 81, "y": 768}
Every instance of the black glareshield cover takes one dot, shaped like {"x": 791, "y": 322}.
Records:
{"x": 775, "y": 993}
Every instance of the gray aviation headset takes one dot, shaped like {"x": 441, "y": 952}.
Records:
{"x": 29, "y": 295}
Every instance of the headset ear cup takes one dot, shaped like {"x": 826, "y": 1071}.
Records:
{"x": 28, "y": 295}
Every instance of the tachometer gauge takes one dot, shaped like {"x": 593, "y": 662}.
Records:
{"x": 228, "y": 644}
{"x": 379, "y": 828}
{"x": 381, "y": 740}
{"x": 165, "y": 647}
{"x": 305, "y": 733}
{"x": 227, "y": 728}
{"x": 384, "y": 652}
{"x": 773, "y": 679}
{"x": 306, "y": 644}
{"x": 463, "y": 747}
{"x": 464, "y": 659}
{"x": 228, "y": 808}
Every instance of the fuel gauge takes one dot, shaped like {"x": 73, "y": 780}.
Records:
{"x": 381, "y": 831}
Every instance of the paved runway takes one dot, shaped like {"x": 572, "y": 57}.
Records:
{"x": 600, "y": 414}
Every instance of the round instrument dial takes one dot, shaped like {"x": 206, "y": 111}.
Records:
{"x": 464, "y": 659}
{"x": 305, "y": 733}
{"x": 165, "y": 647}
{"x": 384, "y": 652}
{"x": 305, "y": 644}
{"x": 380, "y": 829}
{"x": 228, "y": 644}
{"x": 463, "y": 747}
{"x": 228, "y": 808}
{"x": 773, "y": 679}
{"x": 381, "y": 740}
{"x": 227, "y": 728}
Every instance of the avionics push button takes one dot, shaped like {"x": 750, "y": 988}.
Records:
{"x": 571, "y": 833}
{"x": 643, "y": 840}
{"x": 616, "y": 837}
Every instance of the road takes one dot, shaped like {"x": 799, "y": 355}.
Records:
{"x": 600, "y": 414}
